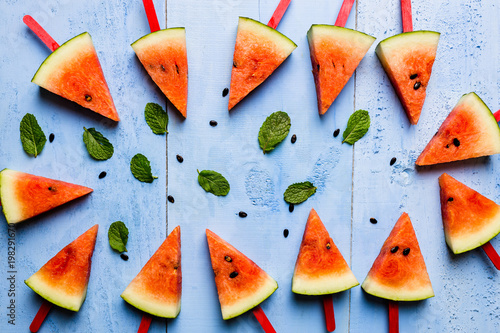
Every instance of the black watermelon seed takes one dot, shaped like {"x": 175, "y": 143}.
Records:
{"x": 88, "y": 98}
{"x": 395, "y": 249}
{"x": 228, "y": 258}
{"x": 294, "y": 138}
{"x": 417, "y": 85}
{"x": 450, "y": 199}
{"x": 171, "y": 199}
{"x": 336, "y": 132}
{"x": 233, "y": 275}
{"x": 242, "y": 214}
{"x": 373, "y": 220}
{"x": 393, "y": 160}
{"x": 285, "y": 233}
{"x": 180, "y": 159}
{"x": 328, "y": 246}
{"x": 406, "y": 251}
{"x": 102, "y": 175}
{"x": 50, "y": 188}
{"x": 213, "y": 123}
{"x": 317, "y": 66}
{"x": 291, "y": 207}
{"x": 413, "y": 76}
{"x": 225, "y": 92}
{"x": 456, "y": 142}
{"x": 51, "y": 137}
{"x": 124, "y": 256}
{"x": 447, "y": 146}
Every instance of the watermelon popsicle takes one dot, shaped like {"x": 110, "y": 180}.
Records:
{"x": 74, "y": 72}
{"x": 335, "y": 54}
{"x": 320, "y": 268}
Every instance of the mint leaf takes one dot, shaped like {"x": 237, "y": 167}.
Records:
{"x": 357, "y": 126}
{"x": 141, "y": 168}
{"x": 299, "y": 192}
{"x": 32, "y": 136}
{"x": 156, "y": 118}
{"x": 274, "y": 130}
{"x": 97, "y": 145}
{"x": 213, "y": 182}
{"x": 118, "y": 236}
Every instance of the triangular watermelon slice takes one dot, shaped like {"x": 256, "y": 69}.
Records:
{"x": 241, "y": 284}
{"x": 469, "y": 218}
{"x": 163, "y": 54}
{"x": 63, "y": 279}
{"x": 157, "y": 288}
{"x": 407, "y": 59}
{"x": 320, "y": 268}
{"x": 335, "y": 54}
{"x": 24, "y": 196}
{"x": 469, "y": 131}
{"x": 399, "y": 272}
{"x": 74, "y": 72}
{"x": 258, "y": 51}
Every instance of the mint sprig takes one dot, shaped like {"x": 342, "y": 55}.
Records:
{"x": 357, "y": 126}
{"x": 118, "y": 236}
{"x": 141, "y": 169}
{"x": 299, "y": 192}
{"x": 32, "y": 136}
{"x": 156, "y": 118}
{"x": 97, "y": 145}
{"x": 213, "y": 182}
{"x": 274, "y": 130}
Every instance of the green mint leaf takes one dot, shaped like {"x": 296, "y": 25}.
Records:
{"x": 118, "y": 236}
{"x": 299, "y": 192}
{"x": 97, "y": 145}
{"x": 213, "y": 182}
{"x": 274, "y": 130}
{"x": 357, "y": 126}
{"x": 156, "y": 118}
{"x": 32, "y": 136}
{"x": 141, "y": 168}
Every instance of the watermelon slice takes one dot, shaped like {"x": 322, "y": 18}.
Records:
{"x": 258, "y": 51}
{"x": 469, "y": 219}
{"x": 469, "y": 131}
{"x": 63, "y": 279}
{"x": 73, "y": 71}
{"x": 399, "y": 272}
{"x": 407, "y": 59}
{"x": 157, "y": 288}
{"x": 163, "y": 54}
{"x": 241, "y": 284}
{"x": 24, "y": 196}
{"x": 320, "y": 268}
{"x": 335, "y": 54}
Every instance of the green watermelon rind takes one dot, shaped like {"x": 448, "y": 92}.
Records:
{"x": 145, "y": 304}
{"x": 329, "y": 284}
{"x": 373, "y": 288}
{"x": 272, "y": 32}
{"x": 159, "y": 35}
{"x": 10, "y": 206}
{"x": 54, "y": 296}
{"x": 340, "y": 30}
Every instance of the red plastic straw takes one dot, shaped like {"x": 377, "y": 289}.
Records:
{"x": 278, "y": 13}
{"x": 145, "y": 322}
{"x": 329, "y": 313}
{"x": 262, "y": 319}
{"x": 344, "y": 12}
{"x": 40, "y": 316}
{"x": 151, "y": 14}
{"x": 492, "y": 254}
{"x": 40, "y": 32}
{"x": 497, "y": 115}
{"x": 406, "y": 15}
{"x": 393, "y": 317}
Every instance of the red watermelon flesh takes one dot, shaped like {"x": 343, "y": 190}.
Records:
{"x": 335, "y": 54}
{"x": 398, "y": 276}
{"x": 407, "y": 59}
{"x": 24, "y": 196}
{"x": 74, "y": 72}
{"x": 163, "y": 54}
{"x": 469, "y": 218}
{"x": 241, "y": 284}
{"x": 63, "y": 279}
{"x": 469, "y": 131}
{"x": 258, "y": 51}
{"x": 157, "y": 288}
{"x": 320, "y": 268}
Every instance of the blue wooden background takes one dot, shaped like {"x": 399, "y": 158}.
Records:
{"x": 354, "y": 183}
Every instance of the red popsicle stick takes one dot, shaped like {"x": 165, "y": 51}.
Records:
{"x": 393, "y": 317}
{"x": 151, "y": 14}
{"x": 40, "y": 316}
{"x": 497, "y": 115}
{"x": 329, "y": 314}
{"x": 406, "y": 15}
{"x": 145, "y": 322}
{"x": 492, "y": 254}
{"x": 262, "y": 319}
{"x": 344, "y": 12}
{"x": 278, "y": 13}
{"x": 40, "y": 32}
